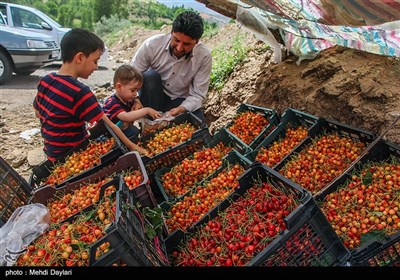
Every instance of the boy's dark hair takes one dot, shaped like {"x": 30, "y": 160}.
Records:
{"x": 126, "y": 73}
{"x": 189, "y": 23}
{"x": 79, "y": 40}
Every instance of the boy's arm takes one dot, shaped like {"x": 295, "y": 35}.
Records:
{"x": 132, "y": 116}
{"x": 36, "y": 110}
{"x": 36, "y": 113}
{"x": 131, "y": 146}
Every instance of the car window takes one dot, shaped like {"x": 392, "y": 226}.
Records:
{"x": 27, "y": 19}
{"x": 2, "y": 20}
{"x": 4, "y": 12}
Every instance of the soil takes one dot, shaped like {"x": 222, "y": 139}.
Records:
{"x": 354, "y": 87}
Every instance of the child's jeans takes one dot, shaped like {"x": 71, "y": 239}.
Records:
{"x": 132, "y": 131}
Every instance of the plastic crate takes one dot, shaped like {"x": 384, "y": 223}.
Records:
{"x": 291, "y": 118}
{"x": 142, "y": 193}
{"x": 129, "y": 161}
{"x": 381, "y": 151}
{"x": 385, "y": 252}
{"x": 14, "y": 191}
{"x": 325, "y": 126}
{"x": 42, "y": 171}
{"x": 44, "y": 195}
{"x": 127, "y": 238}
{"x": 220, "y": 137}
{"x": 306, "y": 222}
{"x": 233, "y": 157}
{"x": 376, "y": 252}
{"x": 176, "y": 153}
{"x": 223, "y": 136}
{"x": 269, "y": 114}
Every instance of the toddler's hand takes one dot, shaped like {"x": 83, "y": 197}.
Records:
{"x": 154, "y": 114}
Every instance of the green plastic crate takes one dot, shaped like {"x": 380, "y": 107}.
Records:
{"x": 269, "y": 114}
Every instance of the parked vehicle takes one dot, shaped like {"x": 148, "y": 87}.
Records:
{"x": 23, "y": 52}
{"x": 32, "y": 19}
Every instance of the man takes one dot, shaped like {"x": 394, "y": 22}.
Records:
{"x": 176, "y": 68}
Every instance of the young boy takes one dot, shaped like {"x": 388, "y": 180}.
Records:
{"x": 120, "y": 105}
{"x": 64, "y": 105}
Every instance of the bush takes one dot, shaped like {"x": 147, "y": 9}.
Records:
{"x": 106, "y": 26}
{"x": 225, "y": 61}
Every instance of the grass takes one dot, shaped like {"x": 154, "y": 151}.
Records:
{"x": 225, "y": 61}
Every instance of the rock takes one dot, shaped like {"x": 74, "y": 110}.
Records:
{"x": 16, "y": 153}
{"x": 16, "y": 157}
{"x": 17, "y": 162}
{"x": 36, "y": 156}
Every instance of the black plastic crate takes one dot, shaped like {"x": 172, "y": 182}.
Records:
{"x": 325, "y": 126}
{"x": 384, "y": 252}
{"x": 122, "y": 253}
{"x": 127, "y": 239}
{"x": 306, "y": 222}
{"x": 14, "y": 191}
{"x": 377, "y": 251}
{"x": 231, "y": 158}
{"x": 291, "y": 118}
{"x": 220, "y": 137}
{"x": 269, "y": 114}
{"x": 97, "y": 133}
{"x": 176, "y": 153}
{"x": 142, "y": 193}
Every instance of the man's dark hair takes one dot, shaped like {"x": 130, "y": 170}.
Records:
{"x": 79, "y": 40}
{"x": 190, "y": 24}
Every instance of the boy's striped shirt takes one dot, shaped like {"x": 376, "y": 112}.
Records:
{"x": 64, "y": 105}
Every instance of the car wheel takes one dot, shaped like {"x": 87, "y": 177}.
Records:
{"x": 6, "y": 68}
{"x": 24, "y": 73}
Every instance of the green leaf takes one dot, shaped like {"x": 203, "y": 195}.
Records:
{"x": 154, "y": 221}
{"x": 150, "y": 232}
{"x": 367, "y": 179}
{"x": 90, "y": 215}
{"x": 375, "y": 235}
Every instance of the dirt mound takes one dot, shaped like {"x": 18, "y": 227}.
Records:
{"x": 346, "y": 85}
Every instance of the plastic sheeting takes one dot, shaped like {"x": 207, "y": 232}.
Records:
{"x": 333, "y": 12}
{"x": 306, "y": 25}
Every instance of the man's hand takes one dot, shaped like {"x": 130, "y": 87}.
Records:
{"x": 176, "y": 111}
{"x": 136, "y": 104}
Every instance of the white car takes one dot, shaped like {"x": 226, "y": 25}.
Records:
{"x": 32, "y": 19}
{"x": 23, "y": 52}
